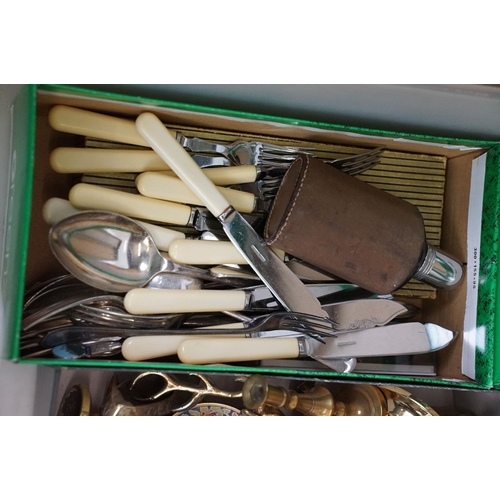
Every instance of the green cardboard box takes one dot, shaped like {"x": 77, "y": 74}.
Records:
{"x": 470, "y": 226}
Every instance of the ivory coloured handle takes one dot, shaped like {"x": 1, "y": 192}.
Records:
{"x": 91, "y": 197}
{"x": 88, "y": 123}
{"x": 176, "y": 157}
{"x": 205, "y": 252}
{"x": 158, "y": 301}
{"x": 68, "y": 160}
{"x": 93, "y": 160}
{"x": 55, "y": 210}
{"x": 226, "y": 176}
{"x": 199, "y": 351}
{"x": 147, "y": 347}
{"x": 166, "y": 187}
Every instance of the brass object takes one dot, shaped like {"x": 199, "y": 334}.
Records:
{"x": 401, "y": 403}
{"x": 75, "y": 402}
{"x": 258, "y": 395}
{"x": 360, "y": 400}
{"x": 118, "y": 403}
{"x": 157, "y": 393}
{"x": 351, "y": 400}
{"x": 369, "y": 400}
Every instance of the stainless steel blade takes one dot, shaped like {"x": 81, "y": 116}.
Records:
{"x": 283, "y": 283}
{"x": 392, "y": 340}
{"x": 364, "y": 313}
{"x": 260, "y": 297}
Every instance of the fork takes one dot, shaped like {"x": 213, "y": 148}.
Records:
{"x": 282, "y": 324}
{"x": 287, "y": 323}
{"x": 263, "y": 154}
{"x": 142, "y": 344}
{"x": 266, "y": 187}
{"x": 242, "y": 152}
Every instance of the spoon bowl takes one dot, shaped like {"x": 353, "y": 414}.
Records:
{"x": 112, "y": 252}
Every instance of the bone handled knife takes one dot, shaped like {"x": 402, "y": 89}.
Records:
{"x": 91, "y": 197}
{"x": 283, "y": 283}
{"x": 71, "y": 160}
{"x": 170, "y": 188}
{"x": 348, "y": 315}
{"x": 89, "y": 123}
{"x": 205, "y": 252}
{"x": 391, "y": 340}
{"x": 258, "y": 298}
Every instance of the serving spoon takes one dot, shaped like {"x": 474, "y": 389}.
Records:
{"x": 112, "y": 252}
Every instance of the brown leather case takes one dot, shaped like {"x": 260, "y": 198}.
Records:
{"x": 346, "y": 227}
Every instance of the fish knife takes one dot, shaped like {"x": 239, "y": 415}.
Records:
{"x": 390, "y": 340}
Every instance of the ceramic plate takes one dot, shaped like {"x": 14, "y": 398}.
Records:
{"x": 209, "y": 410}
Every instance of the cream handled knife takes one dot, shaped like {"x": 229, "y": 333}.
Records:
{"x": 89, "y": 123}
{"x": 283, "y": 283}
{"x": 258, "y": 298}
{"x": 167, "y": 187}
{"x": 92, "y": 197}
{"x": 391, "y": 340}
{"x": 68, "y": 160}
{"x": 205, "y": 253}
{"x": 348, "y": 315}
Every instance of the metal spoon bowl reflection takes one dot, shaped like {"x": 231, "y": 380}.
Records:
{"x": 112, "y": 252}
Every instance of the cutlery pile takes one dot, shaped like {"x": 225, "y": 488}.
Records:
{"x": 170, "y": 260}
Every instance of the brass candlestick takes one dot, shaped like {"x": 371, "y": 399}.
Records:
{"x": 258, "y": 394}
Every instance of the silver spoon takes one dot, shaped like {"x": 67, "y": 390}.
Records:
{"x": 112, "y": 252}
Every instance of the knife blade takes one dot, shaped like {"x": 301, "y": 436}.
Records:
{"x": 364, "y": 313}
{"x": 391, "y": 340}
{"x": 255, "y": 298}
{"x": 283, "y": 283}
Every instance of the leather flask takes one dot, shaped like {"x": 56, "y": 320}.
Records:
{"x": 354, "y": 231}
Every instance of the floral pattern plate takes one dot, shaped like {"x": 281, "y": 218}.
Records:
{"x": 209, "y": 410}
